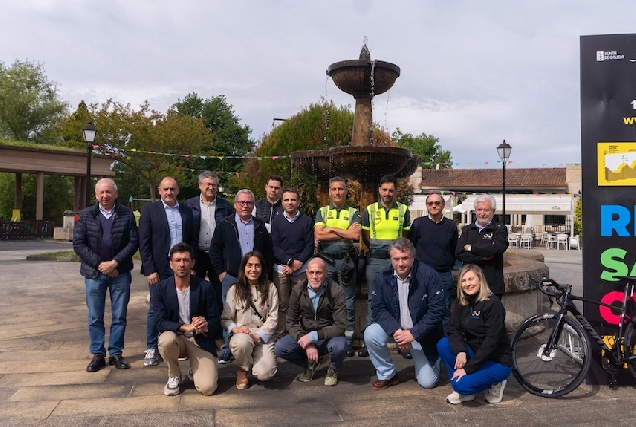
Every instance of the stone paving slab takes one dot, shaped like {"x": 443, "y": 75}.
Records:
{"x": 44, "y": 352}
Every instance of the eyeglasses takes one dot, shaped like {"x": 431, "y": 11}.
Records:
{"x": 434, "y": 203}
{"x": 244, "y": 202}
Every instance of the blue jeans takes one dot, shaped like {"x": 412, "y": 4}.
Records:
{"x": 426, "y": 366}
{"x": 119, "y": 290}
{"x": 152, "y": 333}
{"x": 375, "y": 266}
{"x": 349, "y": 294}
{"x": 447, "y": 283}
{"x": 225, "y": 285}
{"x": 289, "y": 349}
{"x": 488, "y": 374}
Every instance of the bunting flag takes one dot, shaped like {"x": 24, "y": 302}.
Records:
{"x": 429, "y": 164}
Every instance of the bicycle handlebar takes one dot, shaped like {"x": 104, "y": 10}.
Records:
{"x": 548, "y": 286}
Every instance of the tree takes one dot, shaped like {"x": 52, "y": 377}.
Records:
{"x": 318, "y": 127}
{"x": 229, "y": 137}
{"x": 70, "y": 130}
{"x": 425, "y": 146}
{"x": 30, "y": 107}
{"x": 145, "y": 143}
{"x": 58, "y": 195}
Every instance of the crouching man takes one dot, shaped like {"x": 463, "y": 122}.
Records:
{"x": 316, "y": 320}
{"x": 408, "y": 306}
{"x": 187, "y": 317}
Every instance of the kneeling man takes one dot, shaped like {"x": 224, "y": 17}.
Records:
{"x": 408, "y": 307}
{"x": 187, "y": 317}
{"x": 316, "y": 320}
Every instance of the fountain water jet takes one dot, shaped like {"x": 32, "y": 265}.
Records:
{"x": 362, "y": 161}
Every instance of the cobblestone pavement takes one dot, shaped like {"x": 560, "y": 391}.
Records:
{"x": 43, "y": 382}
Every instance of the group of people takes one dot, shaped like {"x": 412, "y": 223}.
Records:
{"x": 281, "y": 284}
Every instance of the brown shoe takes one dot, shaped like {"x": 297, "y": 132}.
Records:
{"x": 241, "y": 379}
{"x": 384, "y": 384}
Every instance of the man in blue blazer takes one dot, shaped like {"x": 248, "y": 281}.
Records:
{"x": 208, "y": 210}
{"x": 187, "y": 318}
{"x": 162, "y": 224}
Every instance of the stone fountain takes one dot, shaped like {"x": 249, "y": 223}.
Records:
{"x": 361, "y": 160}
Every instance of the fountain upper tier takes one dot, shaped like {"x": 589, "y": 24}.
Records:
{"x": 354, "y": 76}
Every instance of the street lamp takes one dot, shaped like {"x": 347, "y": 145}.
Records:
{"x": 89, "y": 132}
{"x": 504, "y": 150}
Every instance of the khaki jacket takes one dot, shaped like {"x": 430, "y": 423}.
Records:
{"x": 241, "y": 314}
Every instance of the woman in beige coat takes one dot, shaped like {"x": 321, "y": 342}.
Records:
{"x": 250, "y": 316}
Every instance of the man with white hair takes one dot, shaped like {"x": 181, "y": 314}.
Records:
{"x": 484, "y": 243}
{"x": 105, "y": 239}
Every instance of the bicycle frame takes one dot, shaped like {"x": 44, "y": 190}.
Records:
{"x": 616, "y": 354}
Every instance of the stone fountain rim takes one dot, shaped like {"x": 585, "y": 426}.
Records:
{"x": 346, "y": 149}
{"x": 357, "y": 63}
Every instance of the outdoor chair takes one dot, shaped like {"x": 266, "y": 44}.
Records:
{"x": 575, "y": 243}
{"x": 526, "y": 241}
{"x": 550, "y": 241}
{"x": 513, "y": 240}
{"x": 562, "y": 239}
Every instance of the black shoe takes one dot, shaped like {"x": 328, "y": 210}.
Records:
{"x": 363, "y": 352}
{"x": 98, "y": 362}
{"x": 119, "y": 361}
{"x": 350, "y": 352}
{"x": 406, "y": 354}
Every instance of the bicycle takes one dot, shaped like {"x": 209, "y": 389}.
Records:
{"x": 552, "y": 351}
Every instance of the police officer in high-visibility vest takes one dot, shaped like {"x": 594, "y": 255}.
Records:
{"x": 336, "y": 228}
{"x": 383, "y": 222}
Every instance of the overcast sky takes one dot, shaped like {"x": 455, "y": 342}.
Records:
{"x": 472, "y": 72}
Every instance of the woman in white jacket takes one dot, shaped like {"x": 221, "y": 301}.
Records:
{"x": 250, "y": 315}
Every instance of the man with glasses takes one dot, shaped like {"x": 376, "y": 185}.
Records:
{"x": 435, "y": 239}
{"x": 233, "y": 237}
{"x": 383, "y": 222}
{"x": 208, "y": 210}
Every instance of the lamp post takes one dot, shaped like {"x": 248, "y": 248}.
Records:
{"x": 504, "y": 150}
{"x": 89, "y": 132}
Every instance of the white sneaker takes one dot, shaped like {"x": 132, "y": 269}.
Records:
{"x": 172, "y": 386}
{"x": 152, "y": 357}
{"x": 456, "y": 398}
{"x": 495, "y": 393}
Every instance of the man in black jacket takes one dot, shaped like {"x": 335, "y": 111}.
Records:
{"x": 270, "y": 206}
{"x": 105, "y": 239}
{"x": 233, "y": 237}
{"x": 484, "y": 243}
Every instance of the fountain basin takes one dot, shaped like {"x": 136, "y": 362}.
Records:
{"x": 364, "y": 164}
{"x": 354, "y": 76}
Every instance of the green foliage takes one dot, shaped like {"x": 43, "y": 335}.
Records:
{"x": 578, "y": 217}
{"x": 317, "y": 127}
{"x": 425, "y": 146}
{"x": 70, "y": 130}
{"x": 30, "y": 107}
{"x": 228, "y": 136}
{"x": 58, "y": 196}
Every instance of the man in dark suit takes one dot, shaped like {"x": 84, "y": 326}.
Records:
{"x": 208, "y": 210}
{"x": 163, "y": 224}
{"x": 188, "y": 319}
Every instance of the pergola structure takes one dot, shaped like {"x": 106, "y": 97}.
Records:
{"x": 46, "y": 161}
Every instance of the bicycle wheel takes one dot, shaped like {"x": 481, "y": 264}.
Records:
{"x": 560, "y": 370}
{"x": 630, "y": 351}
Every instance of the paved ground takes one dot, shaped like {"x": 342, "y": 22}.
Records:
{"x": 43, "y": 355}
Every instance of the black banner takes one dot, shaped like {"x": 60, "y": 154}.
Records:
{"x": 608, "y": 155}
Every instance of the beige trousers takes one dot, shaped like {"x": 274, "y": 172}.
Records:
{"x": 284, "y": 284}
{"x": 257, "y": 356}
{"x": 203, "y": 363}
